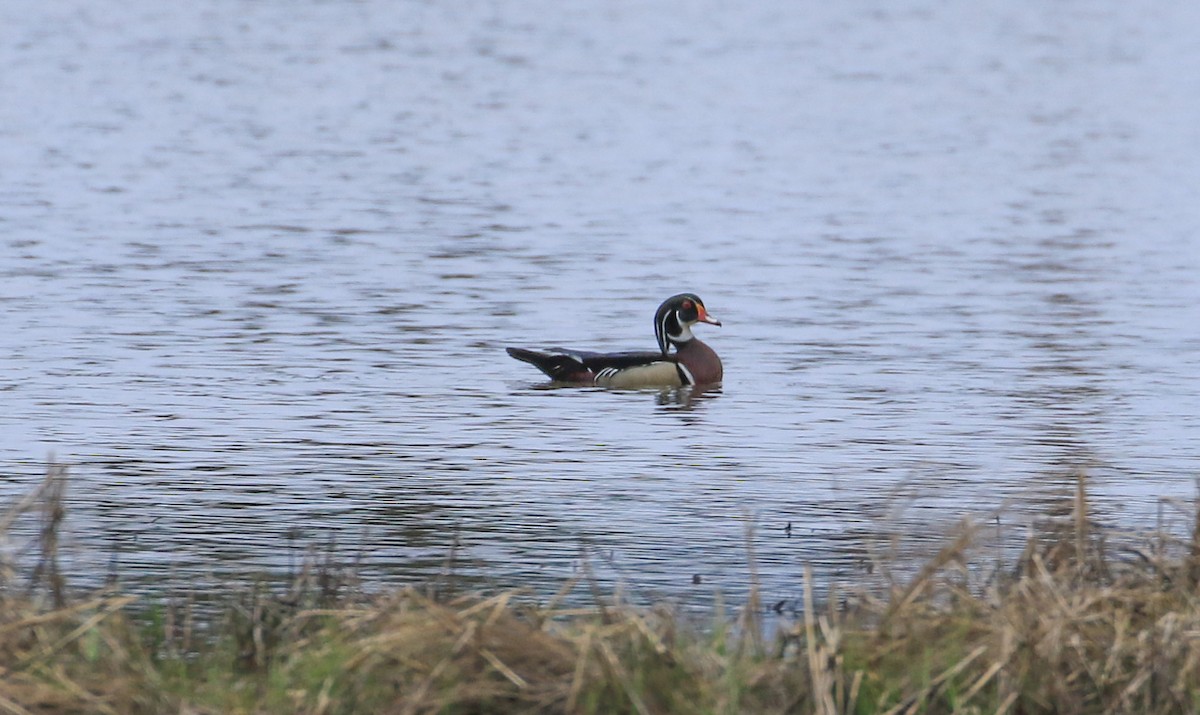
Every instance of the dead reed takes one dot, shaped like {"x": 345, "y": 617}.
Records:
{"x": 1069, "y": 629}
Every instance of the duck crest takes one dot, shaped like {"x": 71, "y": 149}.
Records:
{"x": 668, "y": 329}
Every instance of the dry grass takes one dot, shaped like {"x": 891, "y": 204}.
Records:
{"x": 1068, "y": 630}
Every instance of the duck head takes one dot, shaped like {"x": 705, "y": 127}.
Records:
{"x": 675, "y": 317}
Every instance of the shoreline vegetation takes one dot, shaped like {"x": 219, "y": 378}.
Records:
{"x": 1070, "y": 628}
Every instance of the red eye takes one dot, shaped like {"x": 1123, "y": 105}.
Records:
{"x": 688, "y": 305}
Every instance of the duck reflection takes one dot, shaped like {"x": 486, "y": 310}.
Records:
{"x": 686, "y": 399}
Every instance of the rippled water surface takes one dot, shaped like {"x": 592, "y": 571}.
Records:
{"x": 260, "y": 261}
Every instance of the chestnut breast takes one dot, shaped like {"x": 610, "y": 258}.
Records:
{"x": 701, "y": 361}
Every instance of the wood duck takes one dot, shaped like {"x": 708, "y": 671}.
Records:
{"x": 692, "y": 363}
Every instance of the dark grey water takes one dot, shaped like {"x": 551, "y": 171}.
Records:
{"x": 260, "y": 261}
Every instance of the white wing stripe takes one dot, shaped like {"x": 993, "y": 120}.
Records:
{"x": 687, "y": 374}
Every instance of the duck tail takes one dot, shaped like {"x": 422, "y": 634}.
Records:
{"x": 558, "y": 365}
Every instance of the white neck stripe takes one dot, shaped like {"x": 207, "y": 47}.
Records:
{"x": 685, "y": 334}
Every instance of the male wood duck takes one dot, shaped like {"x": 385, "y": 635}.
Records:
{"x": 692, "y": 363}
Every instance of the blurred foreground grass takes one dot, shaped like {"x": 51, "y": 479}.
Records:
{"x": 1068, "y": 629}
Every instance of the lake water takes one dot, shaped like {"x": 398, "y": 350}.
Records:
{"x": 260, "y": 261}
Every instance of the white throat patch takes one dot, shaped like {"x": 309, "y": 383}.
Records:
{"x": 662, "y": 333}
{"x": 684, "y": 334}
